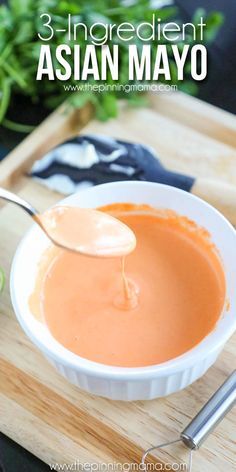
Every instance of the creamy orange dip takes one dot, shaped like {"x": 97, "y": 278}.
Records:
{"x": 87, "y": 231}
{"x": 176, "y": 286}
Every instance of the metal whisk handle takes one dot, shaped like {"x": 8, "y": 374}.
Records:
{"x": 211, "y": 414}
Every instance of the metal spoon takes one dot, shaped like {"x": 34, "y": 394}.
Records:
{"x": 94, "y": 233}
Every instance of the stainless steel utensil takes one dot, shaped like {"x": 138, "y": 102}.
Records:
{"x": 205, "y": 421}
{"x": 24, "y": 205}
{"x": 12, "y": 198}
{"x": 119, "y": 240}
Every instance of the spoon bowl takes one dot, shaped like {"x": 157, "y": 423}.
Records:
{"x": 82, "y": 230}
{"x": 123, "y": 383}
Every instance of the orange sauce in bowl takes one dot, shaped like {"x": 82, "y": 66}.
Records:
{"x": 175, "y": 291}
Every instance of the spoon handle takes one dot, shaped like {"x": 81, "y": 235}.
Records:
{"x": 11, "y": 197}
{"x": 211, "y": 414}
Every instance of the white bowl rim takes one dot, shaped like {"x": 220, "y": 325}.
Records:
{"x": 208, "y": 346}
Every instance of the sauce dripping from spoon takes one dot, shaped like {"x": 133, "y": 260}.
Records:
{"x": 93, "y": 233}
{"x": 87, "y": 231}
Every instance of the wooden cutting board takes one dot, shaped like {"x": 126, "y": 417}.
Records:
{"x": 38, "y": 408}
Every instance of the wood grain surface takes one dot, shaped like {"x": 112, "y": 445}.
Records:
{"x": 38, "y": 408}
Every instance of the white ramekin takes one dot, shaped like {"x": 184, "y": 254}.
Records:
{"x": 130, "y": 383}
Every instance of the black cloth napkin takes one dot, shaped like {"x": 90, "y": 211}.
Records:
{"x": 94, "y": 159}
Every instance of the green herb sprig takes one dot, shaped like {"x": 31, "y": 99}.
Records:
{"x": 19, "y": 50}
